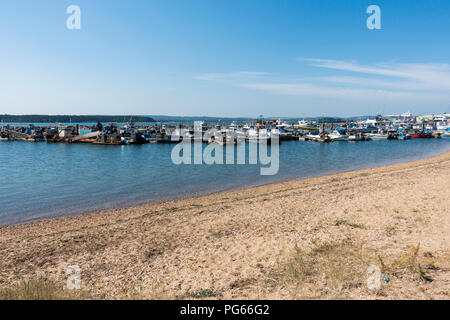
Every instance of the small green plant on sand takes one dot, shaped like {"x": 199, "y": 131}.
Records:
{"x": 408, "y": 262}
{"x": 201, "y": 294}
{"x": 216, "y": 234}
{"x": 346, "y": 223}
{"x": 336, "y": 264}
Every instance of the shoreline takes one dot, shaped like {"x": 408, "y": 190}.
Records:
{"x": 145, "y": 203}
{"x": 240, "y": 243}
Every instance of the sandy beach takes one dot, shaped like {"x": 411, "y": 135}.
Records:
{"x": 306, "y": 239}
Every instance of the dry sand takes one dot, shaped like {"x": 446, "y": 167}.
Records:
{"x": 312, "y": 238}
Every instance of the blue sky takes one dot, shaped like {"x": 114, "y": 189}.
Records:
{"x": 224, "y": 57}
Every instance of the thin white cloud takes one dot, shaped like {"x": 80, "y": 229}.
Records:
{"x": 402, "y": 82}
{"x": 434, "y": 76}
{"x": 343, "y": 92}
{"x": 372, "y": 82}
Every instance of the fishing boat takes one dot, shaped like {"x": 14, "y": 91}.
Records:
{"x": 110, "y": 139}
{"x": 61, "y": 134}
{"x": 282, "y": 133}
{"x": 20, "y": 136}
{"x": 225, "y": 138}
{"x": 404, "y": 136}
{"x": 421, "y": 135}
{"x": 378, "y": 136}
{"x": 323, "y": 137}
{"x": 257, "y": 135}
{"x": 356, "y": 137}
{"x": 4, "y": 136}
{"x": 339, "y": 135}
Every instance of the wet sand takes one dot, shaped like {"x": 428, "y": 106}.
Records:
{"x": 312, "y": 238}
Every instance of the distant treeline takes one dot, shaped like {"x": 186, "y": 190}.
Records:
{"x": 329, "y": 119}
{"x": 225, "y": 119}
{"x": 95, "y": 118}
{"x": 69, "y": 118}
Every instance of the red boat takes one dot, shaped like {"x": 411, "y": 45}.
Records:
{"x": 421, "y": 135}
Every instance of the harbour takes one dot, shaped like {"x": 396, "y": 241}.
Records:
{"x": 68, "y": 176}
{"x": 237, "y": 151}
{"x": 396, "y": 127}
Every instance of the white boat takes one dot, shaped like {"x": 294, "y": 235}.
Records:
{"x": 303, "y": 123}
{"x": 338, "y": 135}
{"x": 355, "y": 137}
{"x": 378, "y": 136}
{"x": 256, "y": 135}
{"x": 252, "y": 133}
{"x": 319, "y": 137}
{"x": 233, "y": 126}
{"x": 265, "y": 135}
{"x": 284, "y": 126}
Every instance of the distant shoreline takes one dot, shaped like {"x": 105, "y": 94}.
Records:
{"x": 36, "y": 118}
{"x": 71, "y": 118}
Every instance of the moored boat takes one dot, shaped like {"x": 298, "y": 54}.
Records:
{"x": 339, "y": 135}
{"x": 404, "y": 136}
{"x": 378, "y": 136}
{"x": 356, "y": 137}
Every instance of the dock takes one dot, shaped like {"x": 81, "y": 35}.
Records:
{"x": 260, "y": 131}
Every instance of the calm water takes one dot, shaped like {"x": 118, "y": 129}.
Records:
{"x": 39, "y": 180}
